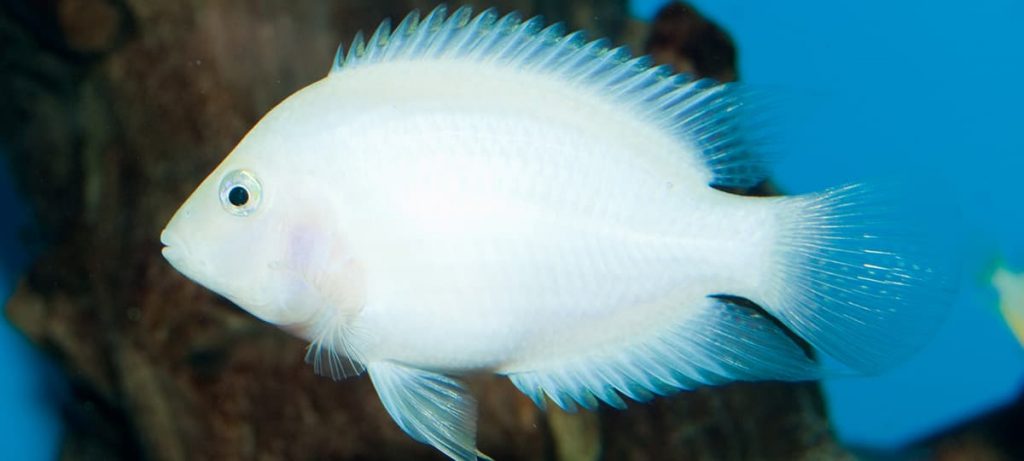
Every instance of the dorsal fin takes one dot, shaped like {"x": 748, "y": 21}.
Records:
{"x": 699, "y": 113}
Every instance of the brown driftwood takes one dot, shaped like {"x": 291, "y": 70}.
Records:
{"x": 113, "y": 111}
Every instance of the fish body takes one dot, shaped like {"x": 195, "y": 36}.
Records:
{"x": 490, "y": 231}
{"x": 478, "y": 194}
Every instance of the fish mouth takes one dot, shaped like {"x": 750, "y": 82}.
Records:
{"x": 172, "y": 251}
{"x": 180, "y": 258}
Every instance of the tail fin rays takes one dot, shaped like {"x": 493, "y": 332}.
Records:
{"x": 854, "y": 278}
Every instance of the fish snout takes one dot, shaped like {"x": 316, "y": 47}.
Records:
{"x": 173, "y": 251}
{"x": 183, "y": 250}
{"x": 181, "y": 259}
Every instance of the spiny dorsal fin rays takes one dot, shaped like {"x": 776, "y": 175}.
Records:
{"x": 419, "y": 41}
{"x": 377, "y": 41}
{"x": 703, "y": 115}
{"x": 542, "y": 57}
{"x": 357, "y": 48}
{"x": 446, "y": 29}
{"x": 519, "y": 38}
{"x": 396, "y": 43}
{"x": 529, "y": 48}
{"x": 650, "y": 84}
{"x": 577, "y": 59}
{"x": 339, "y": 57}
{"x": 464, "y": 38}
{"x": 493, "y": 38}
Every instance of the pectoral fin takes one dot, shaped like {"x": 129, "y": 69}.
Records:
{"x": 432, "y": 408}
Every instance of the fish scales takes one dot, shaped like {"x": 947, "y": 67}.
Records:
{"x": 470, "y": 194}
{"x": 504, "y": 204}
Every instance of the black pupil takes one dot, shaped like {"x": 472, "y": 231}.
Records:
{"x": 238, "y": 196}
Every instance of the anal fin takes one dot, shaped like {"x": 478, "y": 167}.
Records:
{"x": 715, "y": 342}
{"x": 432, "y": 408}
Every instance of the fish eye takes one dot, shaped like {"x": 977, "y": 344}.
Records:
{"x": 238, "y": 196}
{"x": 240, "y": 193}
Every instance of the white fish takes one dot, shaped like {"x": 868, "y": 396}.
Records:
{"x": 478, "y": 194}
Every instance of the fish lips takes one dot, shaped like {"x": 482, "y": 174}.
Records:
{"x": 176, "y": 253}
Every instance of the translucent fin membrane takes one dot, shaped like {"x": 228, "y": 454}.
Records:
{"x": 330, "y": 353}
{"x": 859, "y": 280}
{"x": 430, "y": 407}
{"x": 714, "y": 343}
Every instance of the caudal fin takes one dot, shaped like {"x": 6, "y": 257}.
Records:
{"x": 856, "y": 278}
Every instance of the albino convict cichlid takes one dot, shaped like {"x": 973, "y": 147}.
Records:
{"x": 481, "y": 194}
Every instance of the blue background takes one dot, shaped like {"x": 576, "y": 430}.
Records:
{"x": 868, "y": 89}
{"x": 904, "y": 89}
{"x": 29, "y": 420}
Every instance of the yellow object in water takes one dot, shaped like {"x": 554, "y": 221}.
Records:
{"x": 1010, "y": 286}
